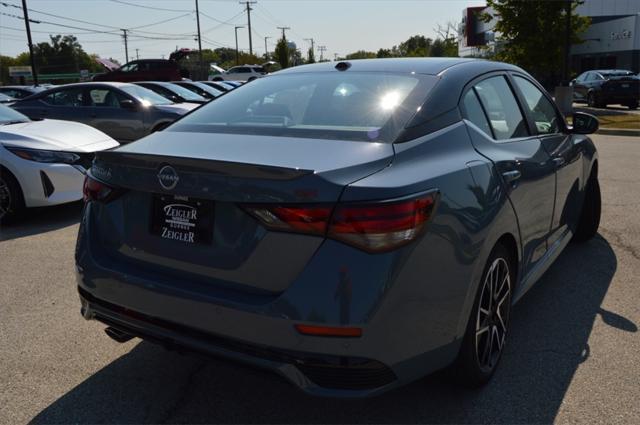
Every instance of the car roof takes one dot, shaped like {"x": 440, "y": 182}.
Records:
{"x": 610, "y": 71}
{"x": 432, "y": 66}
{"x": 25, "y": 87}
{"x": 95, "y": 83}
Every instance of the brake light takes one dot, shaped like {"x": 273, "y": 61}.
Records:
{"x": 381, "y": 227}
{"x": 95, "y": 190}
{"x": 373, "y": 227}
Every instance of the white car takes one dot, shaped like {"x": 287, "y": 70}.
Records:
{"x": 240, "y": 73}
{"x": 43, "y": 162}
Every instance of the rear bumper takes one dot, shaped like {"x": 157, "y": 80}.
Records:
{"x": 618, "y": 97}
{"x": 317, "y": 374}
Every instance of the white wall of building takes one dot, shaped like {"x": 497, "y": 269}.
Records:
{"x": 616, "y": 35}
{"x": 596, "y": 8}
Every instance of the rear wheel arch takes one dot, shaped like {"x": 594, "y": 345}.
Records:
{"x": 511, "y": 245}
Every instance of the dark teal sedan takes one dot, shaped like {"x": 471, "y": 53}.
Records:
{"x": 352, "y": 226}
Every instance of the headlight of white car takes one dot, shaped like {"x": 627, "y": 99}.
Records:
{"x": 38, "y": 155}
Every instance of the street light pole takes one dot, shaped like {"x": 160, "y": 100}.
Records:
{"x": 237, "y": 58}
{"x": 34, "y": 73}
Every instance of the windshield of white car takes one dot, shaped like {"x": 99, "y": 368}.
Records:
{"x": 146, "y": 96}
{"x": 10, "y": 116}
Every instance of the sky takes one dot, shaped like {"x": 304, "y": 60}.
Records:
{"x": 343, "y": 26}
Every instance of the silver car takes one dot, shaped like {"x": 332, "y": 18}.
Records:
{"x": 124, "y": 111}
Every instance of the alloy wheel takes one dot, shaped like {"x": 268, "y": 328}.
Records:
{"x": 493, "y": 314}
{"x": 5, "y": 198}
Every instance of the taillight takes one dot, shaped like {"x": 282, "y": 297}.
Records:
{"x": 373, "y": 227}
{"x": 95, "y": 190}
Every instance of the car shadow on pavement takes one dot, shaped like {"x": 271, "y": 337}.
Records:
{"x": 548, "y": 341}
{"x": 42, "y": 220}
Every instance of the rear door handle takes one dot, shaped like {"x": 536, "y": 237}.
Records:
{"x": 511, "y": 176}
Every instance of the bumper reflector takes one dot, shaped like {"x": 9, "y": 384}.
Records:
{"x": 329, "y": 331}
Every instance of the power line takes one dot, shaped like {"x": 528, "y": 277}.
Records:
{"x": 161, "y": 22}
{"x": 58, "y": 16}
{"x": 284, "y": 36}
{"x": 150, "y": 7}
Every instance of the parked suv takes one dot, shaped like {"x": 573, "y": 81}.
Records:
{"x": 601, "y": 87}
{"x": 149, "y": 70}
{"x": 241, "y": 73}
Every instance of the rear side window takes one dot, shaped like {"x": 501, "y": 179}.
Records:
{"x": 502, "y": 108}
{"x": 474, "y": 113}
{"x": 69, "y": 97}
{"x": 541, "y": 110}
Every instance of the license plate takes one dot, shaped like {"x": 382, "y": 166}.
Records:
{"x": 182, "y": 219}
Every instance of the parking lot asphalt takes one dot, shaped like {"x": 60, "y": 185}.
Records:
{"x": 573, "y": 353}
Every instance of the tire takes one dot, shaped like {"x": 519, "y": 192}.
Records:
{"x": 488, "y": 326}
{"x": 590, "y": 215}
{"x": 251, "y": 79}
{"x": 11, "y": 199}
{"x": 633, "y": 105}
{"x": 591, "y": 100}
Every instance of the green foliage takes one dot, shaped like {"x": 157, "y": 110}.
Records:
{"x": 533, "y": 35}
{"x": 63, "y": 54}
{"x": 282, "y": 53}
{"x": 384, "y": 53}
{"x": 418, "y": 45}
{"x": 360, "y": 54}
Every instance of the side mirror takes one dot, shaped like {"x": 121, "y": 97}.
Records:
{"x": 128, "y": 104}
{"x": 584, "y": 123}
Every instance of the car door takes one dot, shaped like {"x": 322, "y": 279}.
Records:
{"x": 62, "y": 104}
{"x": 579, "y": 89}
{"x": 107, "y": 113}
{"x": 501, "y": 133}
{"x": 566, "y": 151}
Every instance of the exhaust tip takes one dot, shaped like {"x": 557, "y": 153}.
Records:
{"x": 117, "y": 335}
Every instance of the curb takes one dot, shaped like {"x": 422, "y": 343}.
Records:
{"x": 619, "y": 132}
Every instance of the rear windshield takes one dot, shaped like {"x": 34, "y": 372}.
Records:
{"x": 353, "y": 106}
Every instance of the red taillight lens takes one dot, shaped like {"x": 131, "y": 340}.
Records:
{"x": 301, "y": 219}
{"x": 373, "y": 227}
{"x": 382, "y": 226}
{"x": 94, "y": 190}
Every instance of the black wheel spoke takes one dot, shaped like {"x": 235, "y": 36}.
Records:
{"x": 493, "y": 314}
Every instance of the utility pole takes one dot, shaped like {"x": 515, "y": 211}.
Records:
{"x": 248, "y": 4}
{"x": 126, "y": 46}
{"x": 137, "y": 55}
{"x": 237, "y": 60}
{"x": 266, "y": 49}
{"x": 312, "y": 43}
{"x": 34, "y": 73}
{"x": 335, "y": 56}
{"x": 567, "y": 45}
{"x": 322, "y": 50}
{"x": 283, "y": 30}
{"x": 201, "y": 65}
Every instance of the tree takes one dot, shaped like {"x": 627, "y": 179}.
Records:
{"x": 448, "y": 33}
{"x": 360, "y": 54}
{"x": 311, "y": 57}
{"x": 438, "y": 48}
{"x": 281, "y": 53}
{"x": 384, "y": 53}
{"x": 63, "y": 54}
{"x": 418, "y": 45}
{"x": 532, "y": 35}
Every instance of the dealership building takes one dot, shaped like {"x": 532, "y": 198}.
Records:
{"x": 611, "y": 41}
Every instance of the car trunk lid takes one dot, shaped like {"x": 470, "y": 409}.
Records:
{"x": 214, "y": 175}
